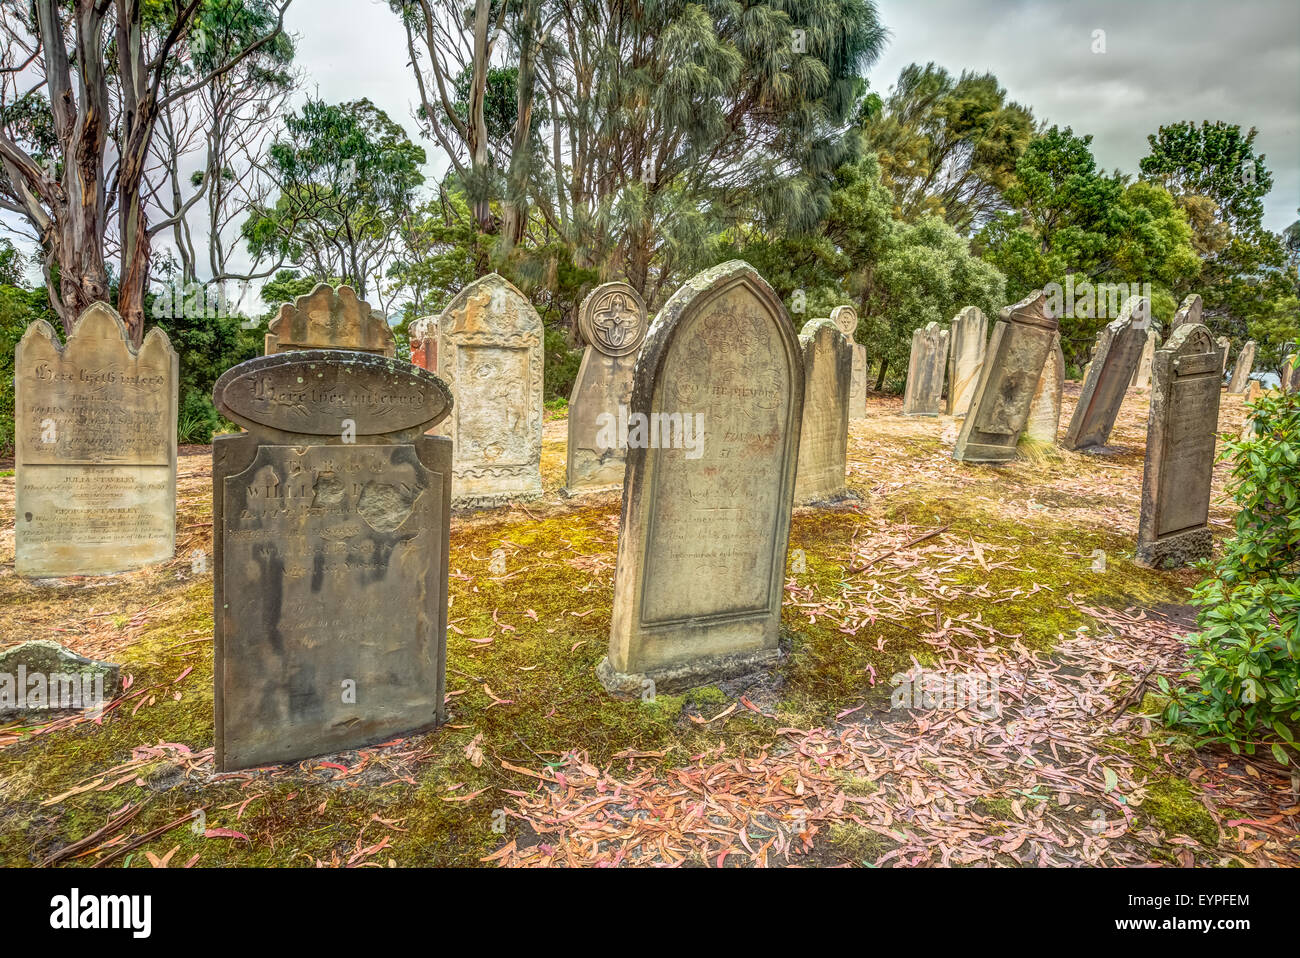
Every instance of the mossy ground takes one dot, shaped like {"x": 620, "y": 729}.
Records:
{"x": 1016, "y": 552}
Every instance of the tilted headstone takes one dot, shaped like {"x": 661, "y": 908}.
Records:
{"x": 1013, "y": 364}
{"x": 926, "y": 366}
{"x": 706, "y": 523}
{"x": 423, "y": 337}
{"x": 1244, "y": 366}
{"x": 1181, "y": 427}
{"x": 1045, "y": 411}
{"x": 1224, "y": 343}
{"x": 1142, "y": 372}
{"x": 1118, "y": 354}
{"x": 1290, "y": 371}
{"x": 612, "y": 322}
{"x": 95, "y": 448}
{"x": 824, "y": 435}
{"x": 490, "y": 354}
{"x": 969, "y": 338}
{"x": 1189, "y": 311}
{"x": 330, "y": 518}
{"x": 846, "y": 318}
{"x": 329, "y": 318}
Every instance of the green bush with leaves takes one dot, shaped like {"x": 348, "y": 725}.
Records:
{"x": 1245, "y": 660}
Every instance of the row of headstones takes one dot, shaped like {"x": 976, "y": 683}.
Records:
{"x": 1012, "y": 386}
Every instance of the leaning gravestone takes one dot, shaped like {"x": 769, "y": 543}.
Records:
{"x": 1112, "y": 368}
{"x": 1224, "y": 343}
{"x": 1045, "y": 411}
{"x": 490, "y": 354}
{"x": 612, "y": 322}
{"x": 704, "y": 531}
{"x": 95, "y": 448}
{"x": 846, "y": 318}
{"x": 1021, "y": 342}
{"x": 329, "y": 318}
{"x": 1142, "y": 374}
{"x": 969, "y": 334}
{"x": 925, "y": 370}
{"x": 331, "y": 542}
{"x": 1245, "y": 365}
{"x": 824, "y": 434}
{"x": 1174, "y": 525}
{"x": 423, "y": 338}
{"x": 1189, "y": 311}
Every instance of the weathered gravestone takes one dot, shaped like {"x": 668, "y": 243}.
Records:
{"x": 1244, "y": 366}
{"x": 490, "y": 354}
{"x": 95, "y": 448}
{"x": 329, "y": 318}
{"x": 1111, "y": 370}
{"x": 1189, "y": 311}
{"x": 1045, "y": 410}
{"x": 1224, "y": 343}
{"x": 1142, "y": 373}
{"x": 969, "y": 338}
{"x": 1181, "y": 427}
{"x": 824, "y": 435}
{"x": 331, "y": 534}
{"x": 1021, "y": 342}
{"x": 925, "y": 370}
{"x": 846, "y": 318}
{"x": 1291, "y": 367}
{"x": 704, "y": 531}
{"x": 612, "y": 321}
{"x": 423, "y": 337}
{"x": 41, "y": 675}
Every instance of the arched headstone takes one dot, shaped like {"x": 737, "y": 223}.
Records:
{"x": 824, "y": 435}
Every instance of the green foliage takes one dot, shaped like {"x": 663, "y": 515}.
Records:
{"x": 1245, "y": 659}
{"x": 18, "y": 308}
{"x": 560, "y": 367}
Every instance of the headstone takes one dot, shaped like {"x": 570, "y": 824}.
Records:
{"x": 1108, "y": 377}
{"x": 824, "y": 435}
{"x": 705, "y": 525}
{"x": 329, "y": 318}
{"x": 1189, "y": 311}
{"x": 1181, "y": 427}
{"x": 1225, "y": 344}
{"x": 1142, "y": 374}
{"x": 846, "y": 318}
{"x": 41, "y": 675}
{"x": 969, "y": 333}
{"x": 1013, "y": 365}
{"x": 925, "y": 370}
{"x": 1290, "y": 371}
{"x": 95, "y": 448}
{"x": 490, "y": 354}
{"x": 612, "y": 321}
{"x": 1045, "y": 411}
{"x": 1254, "y": 390}
{"x": 1244, "y": 366}
{"x": 423, "y": 336}
{"x": 330, "y": 518}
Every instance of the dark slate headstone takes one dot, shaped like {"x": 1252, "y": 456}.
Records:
{"x": 1013, "y": 364}
{"x": 331, "y": 543}
{"x": 1181, "y": 428}
{"x": 1118, "y": 354}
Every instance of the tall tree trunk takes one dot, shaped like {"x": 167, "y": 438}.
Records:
{"x": 480, "y": 173}
{"x": 515, "y": 204}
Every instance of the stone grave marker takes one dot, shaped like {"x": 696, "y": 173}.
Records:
{"x": 1045, "y": 411}
{"x": 706, "y": 523}
{"x": 329, "y": 318}
{"x": 1224, "y": 343}
{"x": 1118, "y": 354}
{"x": 1242, "y": 369}
{"x": 490, "y": 354}
{"x": 846, "y": 318}
{"x": 1142, "y": 372}
{"x": 95, "y": 448}
{"x": 612, "y": 321}
{"x": 1013, "y": 365}
{"x": 1189, "y": 311}
{"x": 824, "y": 435}
{"x": 969, "y": 338}
{"x": 331, "y": 544}
{"x": 1184, "y": 418}
{"x": 925, "y": 371}
{"x": 423, "y": 337}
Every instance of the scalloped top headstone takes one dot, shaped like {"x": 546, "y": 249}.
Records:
{"x": 968, "y": 334}
{"x": 329, "y": 318}
{"x": 95, "y": 438}
{"x": 1181, "y": 429}
{"x": 717, "y": 401}
{"x": 824, "y": 435}
{"x": 490, "y": 353}
{"x": 846, "y": 318}
{"x": 612, "y": 320}
{"x": 330, "y": 526}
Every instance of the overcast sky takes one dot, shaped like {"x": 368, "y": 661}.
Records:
{"x": 1164, "y": 61}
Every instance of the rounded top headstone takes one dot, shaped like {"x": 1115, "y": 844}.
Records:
{"x": 613, "y": 319}
{"x": 846, "y": 318}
